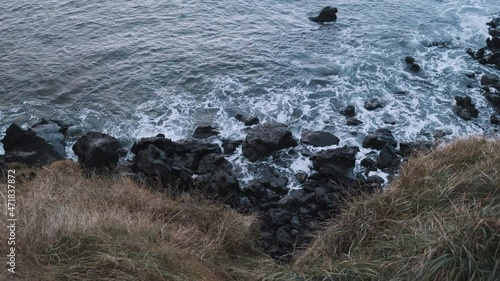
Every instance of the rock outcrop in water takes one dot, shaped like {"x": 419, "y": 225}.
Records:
{"x": 412, "y": 65}
{"x": 465, "y": 108}
{"x": 491, "y": 53}
{"x": 327, "y": 14}
{"x": 264, "y": 139}
{"x": 379, "y": 139}
{"x": 39, "y": 145}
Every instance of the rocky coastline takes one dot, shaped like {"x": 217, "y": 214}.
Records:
{"x": 197, "y": 164}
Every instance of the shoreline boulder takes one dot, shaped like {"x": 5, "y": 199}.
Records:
{"x": 264, "y": 139}
{"x": 39, "y": 145}
{"x": 319, "y": 138}
{"x": 97, "y": 151}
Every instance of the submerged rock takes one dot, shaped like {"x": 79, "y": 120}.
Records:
{"x": 349, "y": 111}
{"x": 353, "y": 121}
{"x": 327, "y": 14}
{"x": 40, "y": 145}
{"x": 97, "y": 151}
{"x": 319, "y": 138}
{"x": 465, "y": 108}
{"x": 373, "y": 104}
{"x": 264, "y": 139}
{"x": 205, "y": 131}
{"x": 248, "y": 121}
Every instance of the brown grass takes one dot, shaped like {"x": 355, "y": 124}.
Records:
{"x": 108, "y": 228}
{"x": 439, "y": 221}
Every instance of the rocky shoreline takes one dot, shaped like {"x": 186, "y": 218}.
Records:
{"x": 196, "y": 164}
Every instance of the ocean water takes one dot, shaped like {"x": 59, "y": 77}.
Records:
{"x": 138, "y": 68}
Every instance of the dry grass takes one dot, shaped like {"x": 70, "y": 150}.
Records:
{"x": 107, "y": 228}
{"x": 439, "y": 221}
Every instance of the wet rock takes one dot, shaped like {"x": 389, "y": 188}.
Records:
{"x": 369, "y": 164}
{"x": 187, "y": 164}
{"x": 97, "y": 151}
{"x": 327, "y": 14}
{"x": 389, "y": 120}
{"x": 165, "y": 144}
{"x": 491, "y": 53}
{"x": 353, "y": 122}
{"x": 373, "y": 104}
{"x": 490, "y": 80}
{"x": 319, "y": 138}
{"x": 153, "y": 162}
{"x": 493, "y": 43}
{"x": 379, "y": 139}
{"x": 205, "y": 131}
{"x": 412, "y": 65}
{"x": 470, "y": 75}
{"x": 409, "y": 60}
{"x": 495, "y": 119}
{"x": 388, "y": 158}
{"x": 349, "y": 111}
{"x": 264, "y": 139}
{"x": 492, "y": 95}
{"x": 268, "y": 183}
{"x": 248, "y": 121}
{"x": 464, "y": 108}
{"x": 407, "y": 149}
{"x": 344, "y": 157}
{"x": 229, "y": 146}
{"x": 39, "y": 145}
{"x": 301, "y": 177}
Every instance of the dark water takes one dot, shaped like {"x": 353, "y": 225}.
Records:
{"x": 139, "y": 68}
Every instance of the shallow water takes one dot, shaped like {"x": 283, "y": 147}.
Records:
{"x": 139, "y": 68}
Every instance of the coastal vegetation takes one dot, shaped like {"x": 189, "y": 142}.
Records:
{"x": 439, "y": 220}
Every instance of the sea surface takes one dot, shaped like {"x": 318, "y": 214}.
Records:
{"x": 139, "y": 68}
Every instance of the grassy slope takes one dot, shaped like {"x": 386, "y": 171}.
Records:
{"x": 439, "y": 221}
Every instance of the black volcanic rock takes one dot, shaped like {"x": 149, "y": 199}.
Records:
{"x": 379, "y": 139}
{"x": 319, "y": 138}
{"x": 229, "y": 146}
{"x": 248, "y": 121}
{"x": 412, "y": 65}
{"x": 373, "y": 104}
{"x": 327, "y": 14}
{"x": 205, "y": 131}
{"x": 464, "y": 108}
{"x": 495, "y": 119}
{"x": 369, "y": 164}
{"x": 353, "y": 121}
{"x": 42, "y": 144}
{"x": 349, "y": 111}
{"x": 97, "y": 151}
{"x": 264, "y": 139}
{"x": 186, "y": 164}
{"x": 388, "y": 158}
{"x": 344, "y": 157}
{"x": 491, "y": 53}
